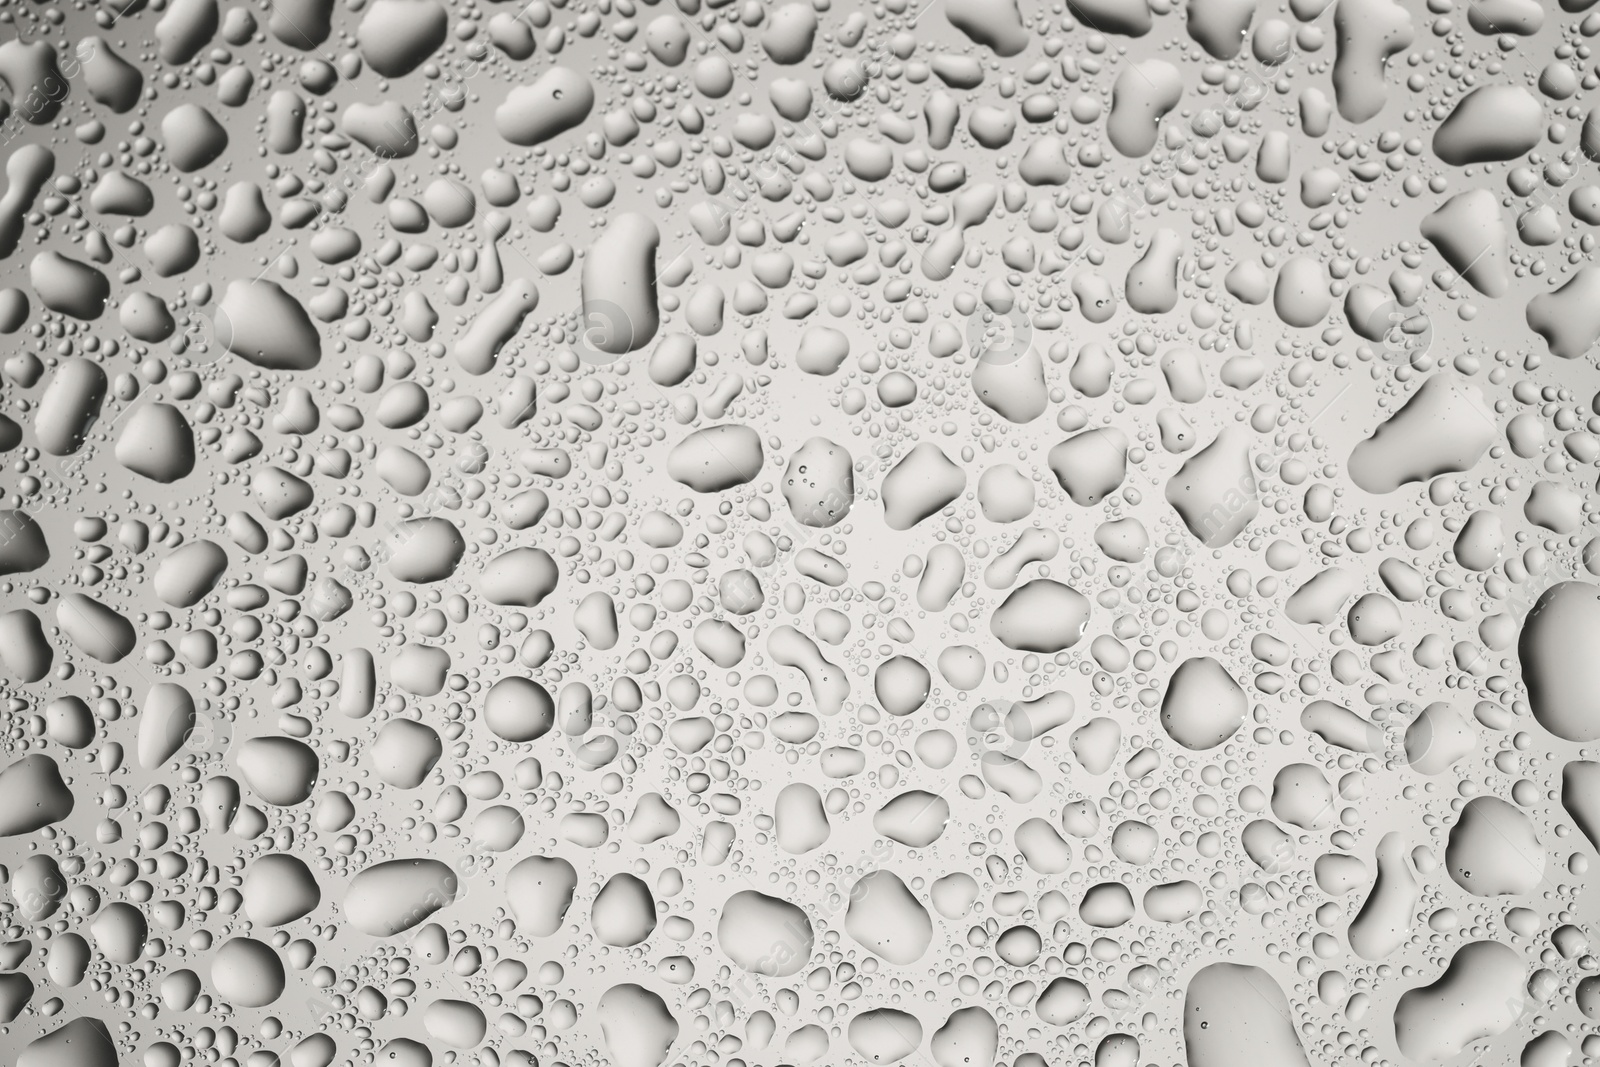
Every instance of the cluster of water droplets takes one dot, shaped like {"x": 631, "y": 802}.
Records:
{"x": 721, "y": 533}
